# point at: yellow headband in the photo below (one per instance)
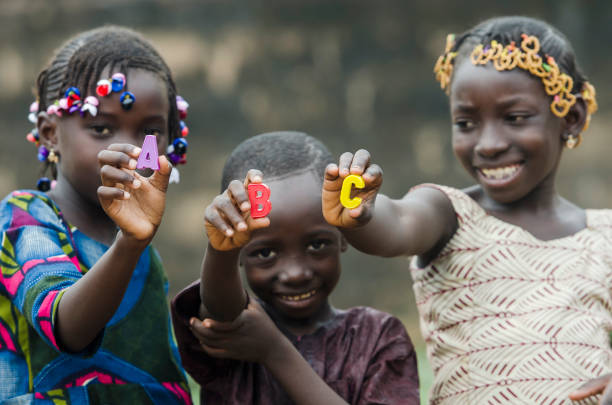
(557, 84)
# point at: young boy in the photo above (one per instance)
(286, 344)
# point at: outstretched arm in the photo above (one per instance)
(90, 303)
(253, 337)
(229, 227)
(414, 225)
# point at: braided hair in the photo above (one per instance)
(277, 154)
(79, 62)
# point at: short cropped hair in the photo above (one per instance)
(276, 154)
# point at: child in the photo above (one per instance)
(84, 316)
(287, 344)
(511, 279)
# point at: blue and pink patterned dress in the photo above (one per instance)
(134, 360)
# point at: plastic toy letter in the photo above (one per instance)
(345, 193)
(148, 156)
(259, 195)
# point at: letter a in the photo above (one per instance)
(148, 156)
(259, 195)
(345, 193)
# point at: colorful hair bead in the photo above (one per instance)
(43, 153)
(43, 184)
(91, 104)
(184, 129)
(117, 82)
(103, 88)
(33, 117)
(182, 106)
(127, 100)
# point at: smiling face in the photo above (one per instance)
(80, 139)
(504, 133)
(294, 264)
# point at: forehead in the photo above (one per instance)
(295, 193)
(488, 84)
(150, 91)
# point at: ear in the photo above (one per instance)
(575, 119)
(343, 244)
(47, 130)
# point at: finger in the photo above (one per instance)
(361, 160)
(223, 327)
(227, 207)
(116, 159)
(258, 223)
(332, 172)
(591, 387)
(108, 194)
(239, 195)
(160, 178)
(356, 212)
(253, 176)
(214, 218)
(205, 333)
(344, 164)
(373, 175)
(128, 149)
(215, 352)
(111, 176)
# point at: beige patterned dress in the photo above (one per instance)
(509, 318)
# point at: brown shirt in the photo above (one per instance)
(363, 354)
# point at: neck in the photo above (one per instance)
(304, 326)
(88, 216)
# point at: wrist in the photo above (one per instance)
(130, 243)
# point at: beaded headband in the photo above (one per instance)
(557, 84)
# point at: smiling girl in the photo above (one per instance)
(83, 312)
(287, 344)
(511, 279)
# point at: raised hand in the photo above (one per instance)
(249, 337)
(227, 219)
(134, 202)
(358, 164)
(595, 386)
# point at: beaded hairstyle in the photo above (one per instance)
(77, 66)
(528, 44)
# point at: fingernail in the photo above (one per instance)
(136, 150)
(206, 323)
(132, 164)
(136, 183)
(257, 179)
(229, 232)
(126, 195)
(192, 321)
(242, 226)
(245, 206)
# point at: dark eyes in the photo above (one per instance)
(317, 245)
(265, 253)
(100, 130)
(516, 118)
(464, 124)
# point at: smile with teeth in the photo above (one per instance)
(299, 297)
(499, 173)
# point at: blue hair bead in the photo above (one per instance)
(43, 184)
(127, 100)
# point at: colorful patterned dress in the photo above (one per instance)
(509, 318)
(134, 360)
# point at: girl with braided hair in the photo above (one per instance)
(83, 311)
(512, 281)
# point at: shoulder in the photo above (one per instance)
(28, 207)
(375, 324)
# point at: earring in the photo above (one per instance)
(572, 141)
(52, 158)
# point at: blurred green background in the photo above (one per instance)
(352, 73)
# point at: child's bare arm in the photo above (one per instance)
(413, 225)
(136, 204)
(253, 337)
(229, 227)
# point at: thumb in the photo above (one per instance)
(160, 178)
(219, 326)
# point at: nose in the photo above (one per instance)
(295, 273)
(491, 142)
